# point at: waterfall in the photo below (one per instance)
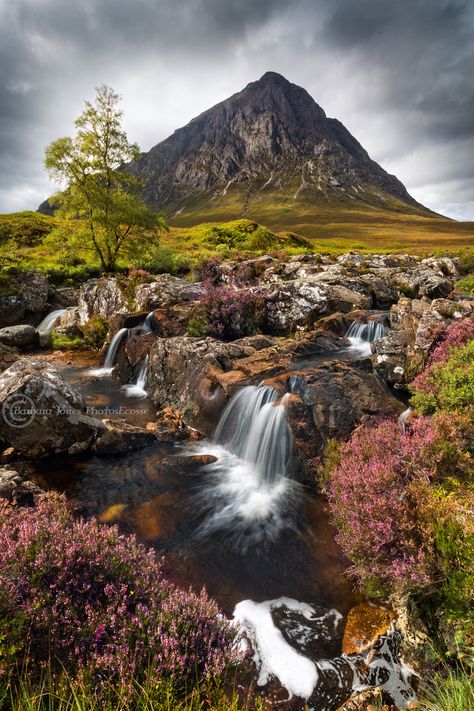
(46, 325)
(247, 493)
(361, 335)
(109, 362)
(107, 368)
(137, 389)
(255, 429)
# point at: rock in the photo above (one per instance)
(12, 309)
(16, 488)
(18, 336)
(391, 357)
(330, 400)
(182, 375)
(41, 413)
(170, 427)
(120, 437)
(65, 297)
(34, 288)
(8, 355)
(100, 297)
(365, 623)
(423, 282)
(299, 304)
(165, 291)
(8, 455)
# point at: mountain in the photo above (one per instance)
(266, 151)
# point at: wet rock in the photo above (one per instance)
(100, 297)
(41, 413)
(12, 309)
(165, 291)
(120, 437)
(18, 336)
(182, 374)
(17, 488)
(170, 427)
(330, 401)
(365, 623)
(391, 357)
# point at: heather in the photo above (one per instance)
(76, 595)
(402, 499)
(227, 313)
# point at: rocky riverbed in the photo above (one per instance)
(141, 456)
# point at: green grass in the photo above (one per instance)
(451, 691)
(294, 228)
(64, 693)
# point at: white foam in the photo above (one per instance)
(273, 656)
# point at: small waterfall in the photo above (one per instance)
(107, 368)
(405, 419)
(247, 493)
(109, 362)
(46, 325)
(361, 335)
(137, 389)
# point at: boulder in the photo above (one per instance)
(12, 309)
(18, 336)
(299, 304)
(165, 291)
(392, 356)
(41, 413)
(100, 297)
(330, 400)
(65, 297)
(17, 488)
(34, 288)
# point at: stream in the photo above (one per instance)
(228, 516)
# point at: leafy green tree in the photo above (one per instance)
(113, 219)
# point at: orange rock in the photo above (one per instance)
(365, 623)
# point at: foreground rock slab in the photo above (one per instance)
(41, 413)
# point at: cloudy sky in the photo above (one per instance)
(398, 73)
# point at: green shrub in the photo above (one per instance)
(448, 385)
(95, 331)
(25, 229)
(466, 285)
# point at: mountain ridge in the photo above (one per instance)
(270, 138)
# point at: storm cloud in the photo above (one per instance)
(399, 75)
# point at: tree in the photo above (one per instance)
(96, 189)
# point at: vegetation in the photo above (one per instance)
(449, 690)
(227, 313)
(96, 189)
(76, 595)
(402, 501)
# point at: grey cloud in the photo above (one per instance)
(397, 74)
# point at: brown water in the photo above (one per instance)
(154, 493)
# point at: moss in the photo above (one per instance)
(95, 331)
(62, 342)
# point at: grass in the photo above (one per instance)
(451, 691)
(290, 228)
(50, 693)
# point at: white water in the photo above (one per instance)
(277, 658)
(46, 325)
(361, 335)
(137, 389)
(109, 362)
(248, 494)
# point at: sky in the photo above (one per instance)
(399, 74)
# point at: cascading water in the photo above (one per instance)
(247, 495)
(46, 325)
(137, 389)
(109, 362)
(107, 368)
(361, 335)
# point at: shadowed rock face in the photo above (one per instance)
(270, 137)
